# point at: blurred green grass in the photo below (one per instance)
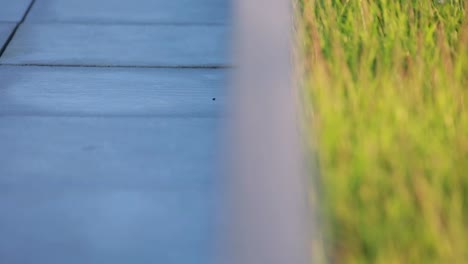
(387, 97)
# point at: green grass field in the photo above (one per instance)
(387, 97)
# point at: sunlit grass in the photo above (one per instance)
(387, 95)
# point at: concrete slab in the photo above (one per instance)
(60, 224)
(13, 10)
(136, 11)
(107, 152)
(119, 45)
(106, 190)
(82, 91)
(5, 31)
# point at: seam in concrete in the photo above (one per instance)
(126, 23)
(12, 34)
(109, 116)
(208, 66)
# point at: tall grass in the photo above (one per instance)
(387, 97)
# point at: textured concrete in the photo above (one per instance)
(145, 152)
(62, 224)
(82, 91)
(106, 190)
(109, 130)
(13, 10)
(135, 11)
(118, 45)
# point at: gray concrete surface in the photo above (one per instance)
(100, 152)
(112, 159)
(62, 224)
(88, 91)
(135, 11)
(118, 45)
(13, 10)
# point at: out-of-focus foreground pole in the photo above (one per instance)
(268, 213)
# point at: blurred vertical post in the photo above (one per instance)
(268, 213)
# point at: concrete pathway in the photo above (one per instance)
(109, 121)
